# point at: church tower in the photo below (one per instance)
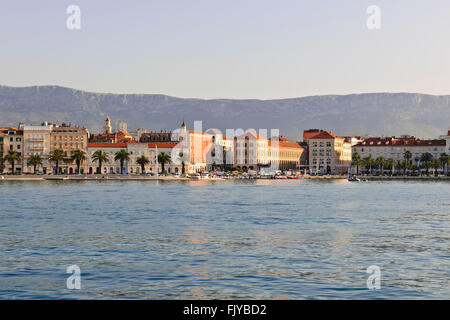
(107, 127)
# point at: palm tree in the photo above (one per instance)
(380, 162)
(79, 156)
(182, 157)
(56, 156)
(404, 165)
(101, 157)
(407, 155)
(356, 161)
(436, 165)
(391, 164)
(34, 160)
(368, 163)
(142, 161)
(122, 156)
(163, 158)
(444, 159)
(12, 156)
(426, 160)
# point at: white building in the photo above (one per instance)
(36, 140)
(395, 148)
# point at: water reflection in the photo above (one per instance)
(240, 239)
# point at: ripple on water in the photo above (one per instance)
(230, 240)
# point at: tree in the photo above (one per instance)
(100, 156)
(368, 163)
(414, 168)
(407, 155)
(380, 162)
(164, 158)
(56, 156)
(142, 161)
(445, 160)
(426, 160)
(79, 156)
(34, 160)
(404, 165)
(12, 156)
(436, 165)
(390, 163)
(122, 156)
(356, 161)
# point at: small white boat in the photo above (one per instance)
(353, 179)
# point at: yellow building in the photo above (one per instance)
(11, 139)
(69, 138)
(288, 155)
(328, 153)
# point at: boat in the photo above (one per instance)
(353, 179)
(195, 176)
(293, 177)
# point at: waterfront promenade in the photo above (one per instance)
(173, 178)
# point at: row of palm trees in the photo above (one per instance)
(100, 156)
(35, 160)
(427, 161)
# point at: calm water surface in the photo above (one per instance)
(224, 240)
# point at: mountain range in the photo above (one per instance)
(422, 115)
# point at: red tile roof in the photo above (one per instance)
(162, 145)
(325, 135)
(290, 145)
(107, 145)
(311, 133)
(123, 133)
(399, 142)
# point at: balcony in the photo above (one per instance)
(36, 140)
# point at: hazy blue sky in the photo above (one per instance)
(228, 49)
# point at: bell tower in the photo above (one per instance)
(107, 127)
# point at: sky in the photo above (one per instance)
(241, 49)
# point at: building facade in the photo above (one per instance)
(68, 139)
(36, 140)
(11, 139)
(251, 152)
(289, 156)
(328, 153)
(396, 147)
